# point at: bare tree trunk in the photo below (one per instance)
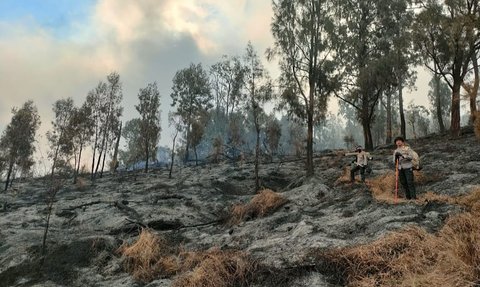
(103, 162)
(173, 154)
(438, 101)
(93, 158)
(403, 128)
(257, 154)
(102, 148)
(9, 173)
(147, 153)
(455, 120)
(367, 134)
(389, 137)
(310, 168)
(117, 144)
(196, 156)
(474, 90)
(77, 167)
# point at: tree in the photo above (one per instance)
(17, 141)
(472, 89)
(60, 140)
(226, 82)
(134, 152)
(149, 109)
(305, 40)
(198, 130)
(80, 130)
(258, 90)
(417, 117)
(191, 96)
(104, 101)
(373, 36)
(438, 95)
(175, 121)
(273, 132)
(447, 34)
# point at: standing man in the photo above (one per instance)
(359, 164)
(402, 157)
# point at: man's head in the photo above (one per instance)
(399, 141)
(358, 148)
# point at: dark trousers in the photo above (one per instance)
(354, 169)
(406, 179)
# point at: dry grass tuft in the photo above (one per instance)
(383, 187)
(412, 257)
(144, 258)
(263, 203)
(150, 258)
(345, 177)
(215, 268)
(470, 201)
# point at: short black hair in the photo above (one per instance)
(399, 138)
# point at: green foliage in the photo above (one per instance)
(273, 132)
(417, 117)
(191, 96)
(439, 98)
(105, 103)
(60, 137)
(227, 80)
(150, 128)
(132, 135)
(447, 36)
(306, 41)
(376, 54)
(17, 143)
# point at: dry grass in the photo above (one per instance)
(412, 257)
(383, 186)
(150, 257)
(263, 203)
(144, 259)
(215, 268)
(345, 177)
(470, 201)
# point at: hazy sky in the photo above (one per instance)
(53, 49)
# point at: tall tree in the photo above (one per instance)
(226, 78)
(305, 41)
(418, 119)
(149, 110)
(17, 141)
(61, 144)
(439, 95)
(447, 33)
(105, 103)
(133, 142)
(259, 90)
(371, 33)
(175, 121)
(191, 96)
(273, 132)
(80, 130)
(472, 88)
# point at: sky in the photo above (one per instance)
(54, 49)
